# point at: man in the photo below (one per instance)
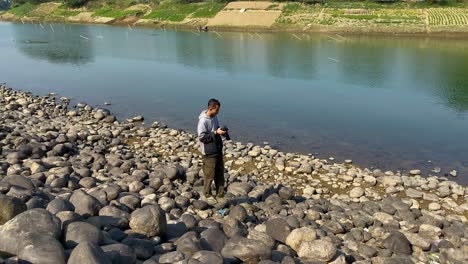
(211, 148)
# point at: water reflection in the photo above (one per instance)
(397, 100)
(431, 65)
(58, 44)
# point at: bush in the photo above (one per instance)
(76, 3)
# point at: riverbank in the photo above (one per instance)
(117, 191)
(335, 17)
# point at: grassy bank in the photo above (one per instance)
(333, 15)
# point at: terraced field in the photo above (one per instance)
(447, 16)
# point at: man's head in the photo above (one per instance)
(213, 107)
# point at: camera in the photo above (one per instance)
(226, 135)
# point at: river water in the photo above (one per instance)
(393, 102)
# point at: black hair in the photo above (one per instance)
(213, 103)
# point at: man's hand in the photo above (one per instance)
(219, 131)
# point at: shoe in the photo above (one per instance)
(211, 200)
(221, 195)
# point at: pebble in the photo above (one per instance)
(117, 192)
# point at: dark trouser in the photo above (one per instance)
(213, 169)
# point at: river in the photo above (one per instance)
(392, 102)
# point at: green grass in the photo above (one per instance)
(293, 8)
(118, 14)
(392, 5)
(172, 12)
(65, 13)
(357, 16)
(208, 10)
(23, 10)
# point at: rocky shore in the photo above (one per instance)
(78, 186)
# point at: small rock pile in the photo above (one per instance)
(78, 186)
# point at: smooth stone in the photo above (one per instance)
(398, 244)
(79, 232)
(85, 204)
(35, 220)
(10, 207)
(213, 239)
(120, 253)
(321, 250)
(246, 250)
(205, 256)
(356, 192)
(40, 249)
(143, 248)
(59, 205)
(278, 229)
(300, 235)
(171, 257)
(88, 253)
(149, 220)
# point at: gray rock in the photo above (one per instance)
(171, 257)
(278, 229)
(143, 248)
(85, 204)
(114, 217)
(120, 253)
(40, 249)
(392, 260)
(10, 207)
(233, 227)
(189, 220)
(430, 232)
(59, 205)
(213, 239)
(19, 181)
(37, 221)
(366, 251)
(238, 212)
(88, 253)
(356, 192)
(78, 232)
(321, 250)
(299, 236)
(263, 237)
(67, 217)
(398, 244)
(176, 230)
(188, 244)
(417, 240)
(149, 220)
(239, 188)
(412, 193)
(208, 257)
(246, 250)
(286, 193)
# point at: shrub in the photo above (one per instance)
(76, 3)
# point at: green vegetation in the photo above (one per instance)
(172, 12)
(109, 12)
(177, 12)
(23, 10)
(65, 13)
(76, 3)
(208, 10)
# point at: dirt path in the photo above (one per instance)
(245, 14)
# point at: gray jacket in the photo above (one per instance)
(211, 144)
